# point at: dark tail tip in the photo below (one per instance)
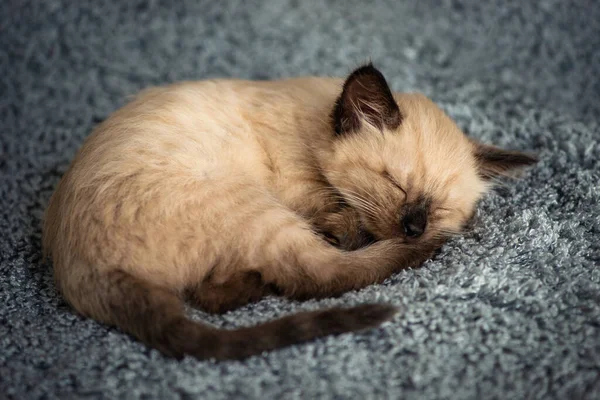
(296, 329)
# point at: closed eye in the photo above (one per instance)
(390, 178)
(442, 210)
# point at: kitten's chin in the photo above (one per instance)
(427, 239)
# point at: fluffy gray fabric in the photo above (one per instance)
(510, 310)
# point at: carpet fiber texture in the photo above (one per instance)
(511, 310)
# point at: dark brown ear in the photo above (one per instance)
(366, 96)
(493, 161)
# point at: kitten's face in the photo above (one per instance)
(403, 165)
(413, 181)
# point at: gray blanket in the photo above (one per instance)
(511, 310)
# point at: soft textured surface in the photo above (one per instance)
(511, 310)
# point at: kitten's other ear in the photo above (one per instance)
(366, 96)
(493, 161)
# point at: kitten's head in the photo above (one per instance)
(404, 165)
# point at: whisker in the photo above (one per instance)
(363, 202)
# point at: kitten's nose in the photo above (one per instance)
(414, 223)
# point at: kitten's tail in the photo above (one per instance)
(156, 317)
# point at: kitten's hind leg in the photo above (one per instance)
(241, 288)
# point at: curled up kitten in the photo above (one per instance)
(220, 192)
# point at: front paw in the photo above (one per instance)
(344, 230)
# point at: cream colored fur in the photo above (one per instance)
(199, 181)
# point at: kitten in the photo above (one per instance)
(220, 191)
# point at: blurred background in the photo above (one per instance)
(88, 55)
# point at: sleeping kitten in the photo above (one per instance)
(220, 191)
